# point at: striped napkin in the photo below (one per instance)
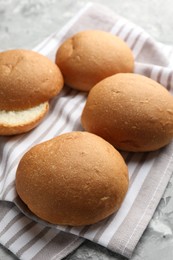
(31, 238)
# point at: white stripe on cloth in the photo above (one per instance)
(29, 245)
(15, 228)
(128, 202)
(27, 239)
(7, 218)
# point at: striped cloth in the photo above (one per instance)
(31, 238)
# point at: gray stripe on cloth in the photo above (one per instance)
(119, 30)
(128, 34)
(7, 190)
(136, 41)
(3, 141)
(20, 140)
(32, 241)
(143, 69)
(159, 75)
(11, 223)
(138, 167)
(67, 120)
(132, 224)
(55, 248)
(26, 228)
(84, 230)
(170, 81)
(5, 207)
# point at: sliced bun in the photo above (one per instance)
(27, 79)
(21, 121)
(74, 179)
(132, 112)
(90, 56)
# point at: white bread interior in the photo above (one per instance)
(21, 121)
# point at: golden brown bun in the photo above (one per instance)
(27, 79)
(132, 112)
(17, 122)
(90, 56)
(74, 179)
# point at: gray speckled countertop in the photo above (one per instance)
(24, 24)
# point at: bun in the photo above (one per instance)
(132, 112)
(90, 56)
(27, 79)
(74, 179)
(17, 122)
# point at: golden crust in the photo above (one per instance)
(90, 56)
(74, 179)
(132, 112)
(27, 79)
(9, 129)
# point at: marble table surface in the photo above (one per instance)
(24, 24)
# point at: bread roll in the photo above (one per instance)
(74, 179)
(132, 112)
(90, 56)
(27, 80)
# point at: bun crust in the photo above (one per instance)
(28, 79)
(74, 179)
(17, 122)
(132, 112)
(90, 56)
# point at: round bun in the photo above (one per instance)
(27, 79)
(74, 179)
(21, 121)
(132, 112)
(90, 56)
